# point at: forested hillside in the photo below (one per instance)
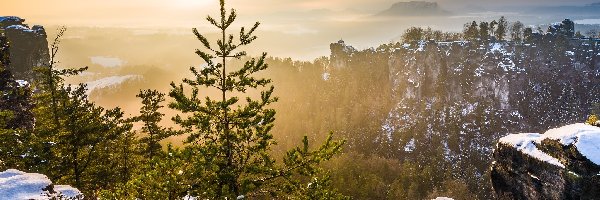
(418, 118)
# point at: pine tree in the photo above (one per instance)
(500, 32)
(230, 139)
(76, 138)
(167, 179)
(516, 31)
(471, 31)
(484, 31)
(492, 28)
(151, 117)
(413, 35)
(528, 34)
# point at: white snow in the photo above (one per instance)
(326, 76)
(443, 198)
(15, 184)
(11, 18)
(188, 197)
(586, 139)
(109, 62)
(410, 146)
(421, 46)
(111, 81)
(67, 191)
(17, 27)
(497, 47)
(22, 83)
(569, 53)
(508, 66)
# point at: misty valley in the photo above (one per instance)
(440, 103)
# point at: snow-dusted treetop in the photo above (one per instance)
(15, 184)
(586, 139)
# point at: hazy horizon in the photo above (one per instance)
(290, 28)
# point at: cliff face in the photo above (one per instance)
(14, 97)
(28, 46)
(454, 100)
(559, 164)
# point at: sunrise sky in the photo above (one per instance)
(184, 13)
(301, 29)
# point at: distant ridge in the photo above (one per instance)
(594, 4)
(414, 8)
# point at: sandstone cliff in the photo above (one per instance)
(28, 46)
(455, 99)
(562, 163)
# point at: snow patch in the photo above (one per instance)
(22, 83)
(67, 191)
(410, 146)
(109, 82)
(569, 53)
(10, 18)
(15, 184)
(586, 139)
(421, 46)
(443, 198)
(326, 76)
(17, 27)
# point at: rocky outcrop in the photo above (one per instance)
(340, 54)
(14, 97)
(457, 98)
(28, 46)
(562, 163)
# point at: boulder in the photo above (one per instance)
(562, 163)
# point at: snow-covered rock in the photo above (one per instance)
(15, 184)
(28, 46)
(562, 163)
(443, 198)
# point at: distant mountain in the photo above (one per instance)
(414, 8)
(594, 4)
(573, 10)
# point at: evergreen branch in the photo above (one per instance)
(214, 22)
(202, 39)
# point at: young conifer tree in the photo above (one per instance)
(75, 137)
(500, 32)
(150, 116)
(229, 135)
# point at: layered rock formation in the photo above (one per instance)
(28, 46)
(562, 163)
(452, 101)
(14, 97)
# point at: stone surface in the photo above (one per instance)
(518, 172)
(28, 47)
